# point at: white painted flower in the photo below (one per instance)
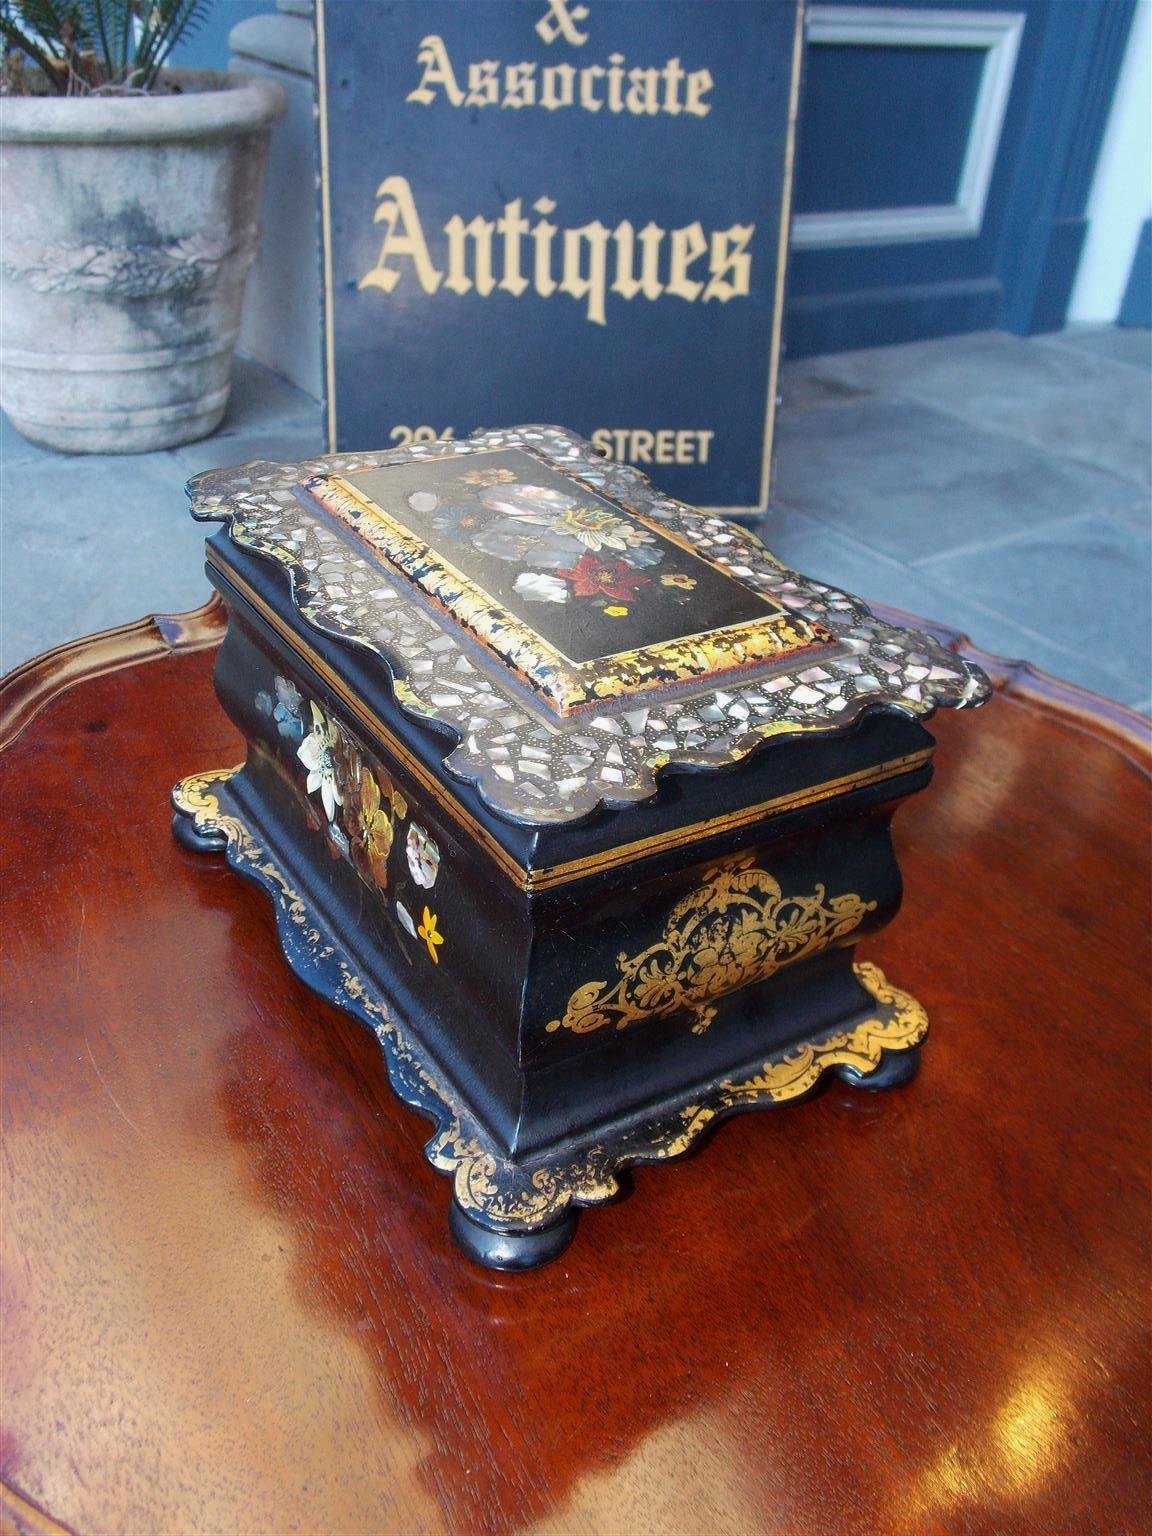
(318, 754)
(405, 917)
(423, 856)
(538, 588)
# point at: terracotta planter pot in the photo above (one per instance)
(126, 228)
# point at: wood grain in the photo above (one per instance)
(230, 1304)
(27, 688)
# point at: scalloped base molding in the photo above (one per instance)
(511, 1214)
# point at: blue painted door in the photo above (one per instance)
(945, 157)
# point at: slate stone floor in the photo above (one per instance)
(996, 484)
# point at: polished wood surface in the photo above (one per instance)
(230, 1304)
(27, 688)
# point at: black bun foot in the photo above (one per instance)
(511, 1250)
(896, 1067)
(189, 836)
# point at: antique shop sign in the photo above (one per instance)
(552, 211)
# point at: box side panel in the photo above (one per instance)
(664, 974)
(637, 946)
(435, 929)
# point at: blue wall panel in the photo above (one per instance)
(892, 135)
(884, 127)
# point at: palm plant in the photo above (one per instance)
(82, 47)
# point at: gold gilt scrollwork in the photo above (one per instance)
(736, 929)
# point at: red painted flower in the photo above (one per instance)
(591, 577)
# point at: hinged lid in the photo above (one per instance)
(578, 631)
(583, 597)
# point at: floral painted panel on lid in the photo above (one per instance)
(578, 593)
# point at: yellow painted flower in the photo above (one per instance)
(376, 829)
(427, 931)
(685, 583)
(617, 611)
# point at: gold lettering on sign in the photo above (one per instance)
(666, 445)
(585, 263)
(560, 21)
(639, 91)
(405, 237)
(688, 245)
(626, 284)
(729, 254)
(438, 71)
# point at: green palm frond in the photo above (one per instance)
(165, 23)
(46, 33)
(85, 45)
